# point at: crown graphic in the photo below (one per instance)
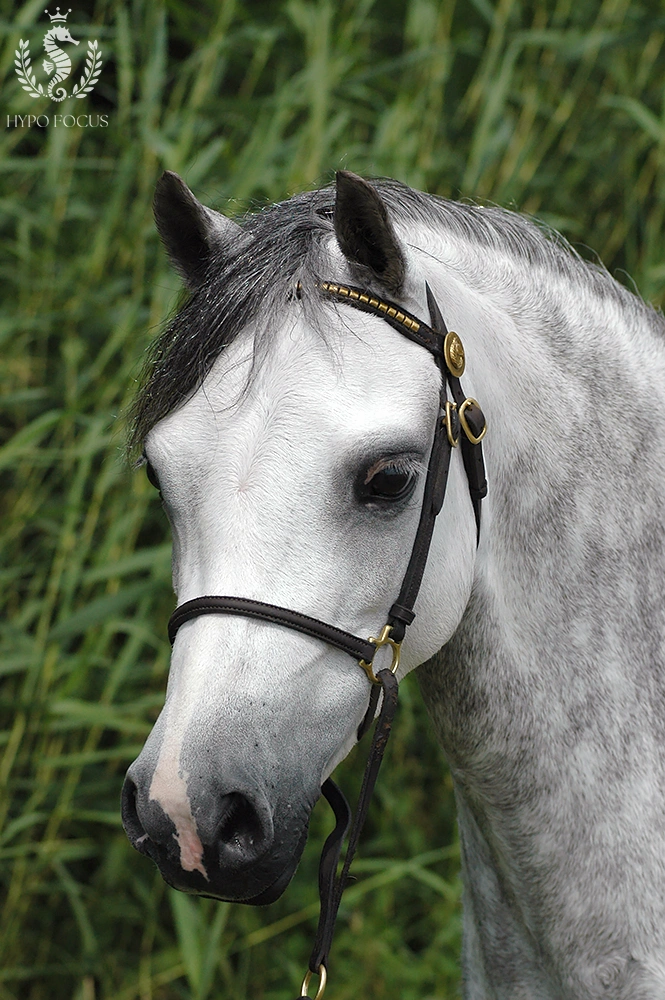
(58, 18)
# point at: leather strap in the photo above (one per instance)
(328, 868)
(401, 613)
(331, 888)
(472, 454)
(371, 711)
(359, 649)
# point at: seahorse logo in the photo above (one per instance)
(58, 65)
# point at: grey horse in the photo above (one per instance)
(271, 420)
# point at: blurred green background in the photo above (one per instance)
(552, 107)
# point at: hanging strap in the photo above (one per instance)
(331, 885)
(472, 421)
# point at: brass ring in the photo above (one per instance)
(463, 421)
(383, 640)
(323, 979)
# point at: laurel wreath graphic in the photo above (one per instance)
(93, 67)
(24, 71)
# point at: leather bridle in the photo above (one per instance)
(459, 422)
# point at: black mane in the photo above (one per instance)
(258, 276)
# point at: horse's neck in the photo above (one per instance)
(564, 374)
(548, 699)
(573, 386)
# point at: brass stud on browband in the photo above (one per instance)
(397, 315)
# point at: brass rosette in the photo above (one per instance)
(453, 352)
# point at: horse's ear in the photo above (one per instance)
(188, 229)
(364, 231)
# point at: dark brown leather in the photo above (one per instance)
(472, 454)
(359, 649)
(401, 613)
(371, 711)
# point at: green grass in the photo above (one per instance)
(553, 108)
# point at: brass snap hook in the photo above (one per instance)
(323, 979)
(383, 640)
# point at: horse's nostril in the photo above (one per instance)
(130, 817)
(240, 829)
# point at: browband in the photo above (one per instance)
(403, 321)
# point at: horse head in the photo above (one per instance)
(290, 438)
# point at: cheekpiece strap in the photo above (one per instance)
(448, 352)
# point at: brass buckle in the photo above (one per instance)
(449, 423)
(323, 979)
(383, 640)
(465, 427)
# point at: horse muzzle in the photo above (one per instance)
(235, 853)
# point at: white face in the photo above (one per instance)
(270, 484)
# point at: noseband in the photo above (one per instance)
(459, 422)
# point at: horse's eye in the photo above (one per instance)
(392, 482)
(151, 474)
